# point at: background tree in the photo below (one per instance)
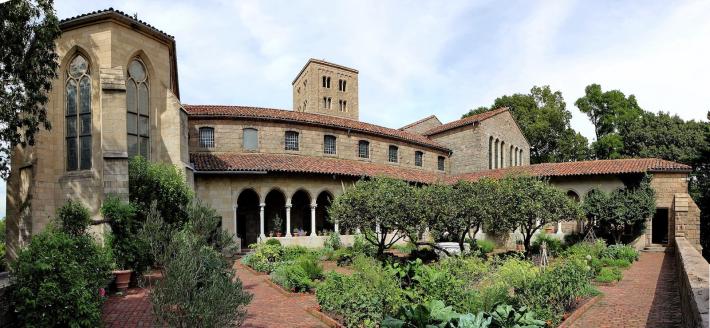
(160, 183)
(28, 65)
(619, 210)
(530, 203)
(665, 136)
(382, 203)
(700, 189)
(545, 122)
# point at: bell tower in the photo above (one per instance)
(325, 88)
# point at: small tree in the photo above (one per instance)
(530, 203)
(614, 212)
(129, 251)
(160, 183)
(382, 203)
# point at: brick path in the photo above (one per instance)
(268, 308)
(647, 296)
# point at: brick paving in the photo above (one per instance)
(268, 308)
(647, 296)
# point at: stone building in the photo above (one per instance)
(266, 171)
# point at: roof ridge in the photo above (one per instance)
(463, 121)
(115, 11)
(420, 121)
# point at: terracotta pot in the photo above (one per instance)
(123, 278)
(278, 234)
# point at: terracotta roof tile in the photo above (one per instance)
(419, 121)
(212, 111)
(598, 167)
(464, 121)
(230, 162)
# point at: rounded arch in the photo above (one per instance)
(238, 192)
(265, 191)
(324, 199)
(301, 204)
(73, 51)
(304, 190)
(248, 215)
(145, 59)
(571, 193)
(275, 212)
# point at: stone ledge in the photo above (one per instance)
(694, 282)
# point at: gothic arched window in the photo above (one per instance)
(138, 113)
(78, 115)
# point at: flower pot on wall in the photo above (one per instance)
(123, 278)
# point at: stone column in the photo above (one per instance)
(262, 206)
(337, 228)
(288, 219)
(313, 219)
(559, 228)
(235, 220)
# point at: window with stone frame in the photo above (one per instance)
(206, 137)
(418, 158)
(441, 163)
(78, 115)
(393, 154)
(250, 138)
(137, 110)
(291, 140)
(329, 146)
(363, 149)
(490, 153)
(341, 85)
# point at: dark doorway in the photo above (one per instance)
(248, 217)
(659, 227)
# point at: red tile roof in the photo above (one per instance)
(598, 167)
(212, 111)
(419, 121)
(464, 121)
(229, 162)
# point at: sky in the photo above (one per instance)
(418, 58)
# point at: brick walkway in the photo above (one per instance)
(647, 296)
(268, 308)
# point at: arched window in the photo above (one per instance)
(573, 195)
(502, 151)
(510, 156)
(138, 113)
(78, 115)
(206, 137)
(516, 156)
(521, 157)
(363, 149)
(418, 158)
(251, 139)
(495, 159)
(490, 153)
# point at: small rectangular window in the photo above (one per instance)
(327, 84)
(393, 154)
(329, 144)
(325, 102)
(291, 140)
(251, 139)
(441, 163)
(324, 81)
(206, 137)
(418, 158)
(363, 149)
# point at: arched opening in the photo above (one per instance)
(275, 213)
(248, 217)
(323, 222)
(300, 213)
(573, 195)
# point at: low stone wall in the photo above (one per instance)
(693, 276)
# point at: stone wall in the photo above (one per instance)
(308, 90)
(228, 137)
(7, 317)
(694, 283)
(423, 125)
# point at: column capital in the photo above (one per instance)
(314, 205)
(289, 205)
(262, 205)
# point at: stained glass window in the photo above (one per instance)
(78, 115)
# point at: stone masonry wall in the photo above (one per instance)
(423, 126)
(308, 91)
(694, 283)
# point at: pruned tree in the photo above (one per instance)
(616, 211)
(530, 203)
(28, 65)
(382, 208)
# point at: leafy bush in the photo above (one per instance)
(204, 222)
(291, 253)
(432, 283)
(505, 315)
(310, 265)
(362, 246)
(554, 244)
(272, 241)
(59, 274)
(363, 298)
(617, 263)
(470, 270)
(292, 277)
(130, 251)
(607, 275)
(3, 265)
(333, 241)
(344, 256)
(426, 254)
(163, 184)
(556, 289)
(621, 252)
(198, 288)
(495, 288)
(437, 314)
(581, 250)
(486, 246)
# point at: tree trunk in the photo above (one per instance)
(526, 244)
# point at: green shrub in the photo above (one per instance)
(505, 315)
(204, 222)
(129, 250)
(607, 275)
(73, 218)
(617, 263)
(621, 252)
(554, 244)
(556, 289)
(471, 270)
(58, 277)
(3, 265)
(581, 250)
(362, 246)
(264, 258)
(333, 241)
(432, 283)
(292, 277)
(291, 253)
(272, 241)
(486, 246)
(163, 184)
(199, 288)
(495, 287)
(310, 265)
(344, 256)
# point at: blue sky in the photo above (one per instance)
(443, 57)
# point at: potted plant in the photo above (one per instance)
(296, 232)
(277, 225)
(519, 245)
(123, 278)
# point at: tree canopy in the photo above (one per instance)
(545, 122)
(28, 65)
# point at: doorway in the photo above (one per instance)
(659, 227)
